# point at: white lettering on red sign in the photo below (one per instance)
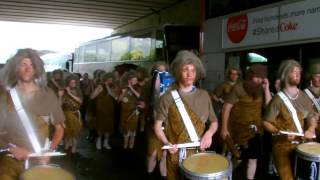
(237, 27)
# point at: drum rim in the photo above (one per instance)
(53, 166)
(227, 171)
(299, 152)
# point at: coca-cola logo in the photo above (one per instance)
(237, 27)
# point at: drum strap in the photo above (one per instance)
(314, 171)
(292, 111)
(185, 117)
(25, 120)
(182, 154)
(313, 99)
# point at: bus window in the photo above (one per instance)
(140, 48)
(120, 49)
(90, 53)
(103, 51)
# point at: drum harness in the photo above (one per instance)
(294, 116)
(188, 124)
(24, 118)
(313, 99)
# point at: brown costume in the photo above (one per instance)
(104, 111)
(224, 89)
(73, 122)
(176, 132)
(154, 143)
(146, 112)
(246, 112)
(129, 113)
(279, 116)
(41, 116)
(199, 108)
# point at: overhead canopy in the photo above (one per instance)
(93, 13)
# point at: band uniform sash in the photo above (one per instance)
(185, 117)
(313, 99)
(292, 111)
(25, 121)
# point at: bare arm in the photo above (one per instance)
(136, 93)
(74, 97)
(57, 136)
(96, 92)
(123, 92)
(267, 93)
(159, 132)
(216, 98)
(162, 137)
(270, 128)
(225, 119)
(206, 140)
(310, 132)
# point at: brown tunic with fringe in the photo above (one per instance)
(316, 94)
(104, 111)
(73, 122)
(129, 113)
(279, 116)
(147, 120)
(199, 108)
(246, 111)
(43, 108)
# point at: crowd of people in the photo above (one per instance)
(242, 110)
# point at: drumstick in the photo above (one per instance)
(293, 133)
(47, 154)
(183, 145)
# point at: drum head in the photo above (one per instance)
(47, 173)
(206, 164)
(311, 149)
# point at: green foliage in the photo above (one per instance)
(126, 56)
(133, 55)
(136, 55)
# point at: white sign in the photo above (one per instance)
(295, 21)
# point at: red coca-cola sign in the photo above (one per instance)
(237, 27)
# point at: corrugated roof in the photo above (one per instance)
(93, 13)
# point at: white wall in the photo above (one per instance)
(214, 58)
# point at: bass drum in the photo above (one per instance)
(207, 165)
(307, 161)
(46, 172)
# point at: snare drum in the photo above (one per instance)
(206, 166)
(307, 161)
(46, 172)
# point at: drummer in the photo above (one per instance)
(313, 91)
(25, 73)
(187, 69)
(280, 118)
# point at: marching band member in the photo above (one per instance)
(71, 103)
(56, 82)
(313, 91)
(154, 151)
(285, 118)
(187, 69)
(242, 115)
(218, 97)
(104, 98)
(128, 98)
(24, 73)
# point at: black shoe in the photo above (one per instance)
(149, 176)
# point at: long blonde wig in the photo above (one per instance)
(10, 75)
